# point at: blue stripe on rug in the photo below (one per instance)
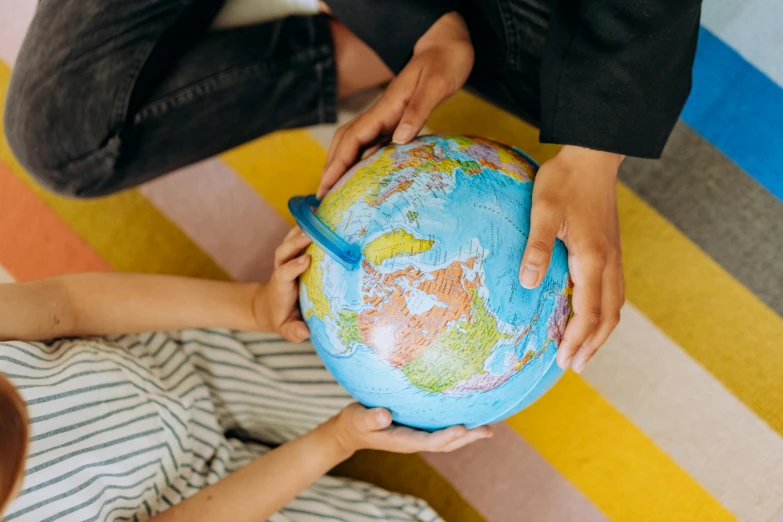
(739, 110)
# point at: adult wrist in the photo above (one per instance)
(447, 29)
(390, 27)
(572, 155)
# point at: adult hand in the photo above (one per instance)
(575, 199)
(356, 428)
(441, 63)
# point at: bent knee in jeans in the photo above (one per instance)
(71, 98)
(66, 143)
(104, 99)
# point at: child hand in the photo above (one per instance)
(275, 305)
(357, 428)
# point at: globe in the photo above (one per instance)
(413, 297)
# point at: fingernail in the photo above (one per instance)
(304, 259)
(564, 363)
(578, 367)
(529, 276)
(303, 332)
(402, 134)
(380, 417)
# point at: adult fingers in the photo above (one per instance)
(612, 299)
(328, 181)
(431, 90)
(348, 148)
(375, 148)
(363, 131)
(293, 244)
(338, 135)
(587, 270)
(545, 221)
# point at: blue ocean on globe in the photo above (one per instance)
(413, 297)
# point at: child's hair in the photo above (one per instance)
(14, 428)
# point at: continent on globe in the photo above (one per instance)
(459, 354)
(398, 242)
(387, 324)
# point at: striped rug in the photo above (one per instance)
(678, 418)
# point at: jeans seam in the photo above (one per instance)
(327, 106)
(219, 81)
(511, 37)
(118, 114)
(122, 103)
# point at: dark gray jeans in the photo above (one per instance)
(109, 94)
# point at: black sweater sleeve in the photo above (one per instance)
(390, 27)
(616, 73)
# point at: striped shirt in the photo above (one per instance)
(125, 427)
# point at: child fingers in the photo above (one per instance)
(295, 231)
(294, 331)
(374, 419)
(469, 438)
(402, 439)
(294, 243)
(292, 269)
(438, 440)
(454, 438)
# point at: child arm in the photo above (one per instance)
(260, 489)
(113, 303)
(267, 484)
(108, 303)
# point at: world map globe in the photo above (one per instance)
(413, 297)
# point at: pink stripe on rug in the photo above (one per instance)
(15, 16)
(505, 479)
(223, 215)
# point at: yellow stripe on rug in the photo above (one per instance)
(126, 230)
(613, 463)
(279, 166)
(719, 322)
(715, 319)
(689, 414)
